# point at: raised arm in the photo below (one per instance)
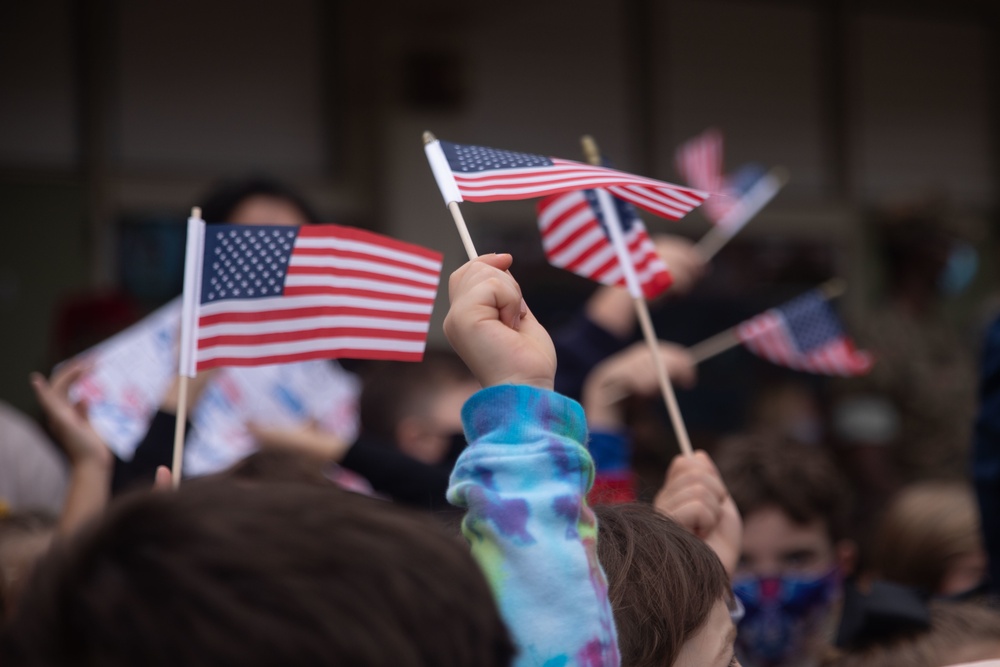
(525, 475)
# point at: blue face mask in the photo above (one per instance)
(959, 270)
(782, 615)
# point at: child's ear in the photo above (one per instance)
(846, 554)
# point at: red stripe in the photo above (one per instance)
(346, 254)
(333, 353)
(308, 334)
(355, 234)
(353, 273)
(299, 313)
(320, 290)
(583, 229)
(581, 257)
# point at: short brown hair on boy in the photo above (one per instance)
(662, 581)
(238, 572)
(800, 480)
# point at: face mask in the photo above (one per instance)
(782, 615)
(959, 270)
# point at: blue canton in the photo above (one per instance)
(626, 212)
(811, 321)
(467, 159)
(245, 262)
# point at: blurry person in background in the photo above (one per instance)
(929, 539)
(796, 550)
(910, 418)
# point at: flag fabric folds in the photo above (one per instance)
(804, 334)
(479, 174)
(276, 294)
(575, 238)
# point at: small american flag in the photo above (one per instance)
(575, 238)
(735, 199)
(479, 174)
(804, 334)
(273, 294)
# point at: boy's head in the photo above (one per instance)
(239, 572)
(795, 508)
(418, 407)
(668, 590)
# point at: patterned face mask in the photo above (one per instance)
(782, 615)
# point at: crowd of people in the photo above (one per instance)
(322, 516)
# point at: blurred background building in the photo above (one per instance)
(115, 116)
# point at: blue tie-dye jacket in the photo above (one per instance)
(523, 480)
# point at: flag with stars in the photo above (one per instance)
(262, 295)
(479, 174)
(575, 238)
(737, 198)
(804, 334)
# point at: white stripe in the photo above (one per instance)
(334, 262)
(540, 188)
(307, 323)
(570, 226)
(646, 202)
(358, 283)
(559, 206)
(315, 345)
(279, 303)
(675, 198)
(586, 242)
(374, 250)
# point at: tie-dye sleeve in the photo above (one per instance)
(523, 481)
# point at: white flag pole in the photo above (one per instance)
(729, 225)
(187, 363)
(449, 190)
(729, 338)
(613, 224)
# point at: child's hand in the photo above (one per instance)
(694, 496)
(68, 420)
(631, 372)
(491, 328)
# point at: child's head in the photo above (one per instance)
(418, 406)
(795, 552)
(958, 633)
(669, 592)
(929, 539)
(236, 571)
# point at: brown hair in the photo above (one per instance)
(394, 390)
(239, 572)
(662, 582)
(958, 633)
(24, 537)
(801, 480)
(924, 528)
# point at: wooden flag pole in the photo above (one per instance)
(456, 214)
(645, 322)
(729, 339)
(177, 465)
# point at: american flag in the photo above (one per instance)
(804, 334)
(479, 174)
(272, 294)
(575, 238)
(735, 199)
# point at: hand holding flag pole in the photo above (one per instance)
(610, 213)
